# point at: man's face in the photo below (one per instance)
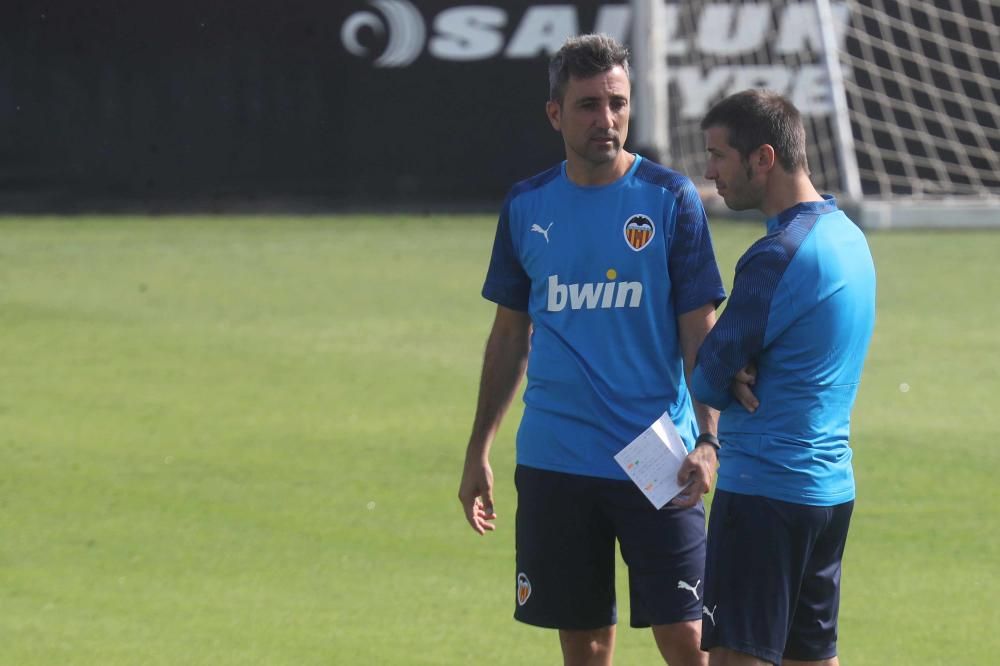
(733, 175)
(593, 116)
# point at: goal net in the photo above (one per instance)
(911, 134)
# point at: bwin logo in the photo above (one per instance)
(406, 32)
(593, 295)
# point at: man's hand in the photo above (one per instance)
(504, 361)
(476, 495)
(740, 388)
(697, 470)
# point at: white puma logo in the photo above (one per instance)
(544, 232)
(709, 613)
(693, 589)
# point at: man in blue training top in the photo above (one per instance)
(606, 284)
(783, 365)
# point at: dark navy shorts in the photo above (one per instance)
(566, 530)
(772, 577)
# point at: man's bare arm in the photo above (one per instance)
(504, 363)
(699, 467)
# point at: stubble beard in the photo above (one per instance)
(747, 197)
(738, 204)
(744, 199)
(601, 156)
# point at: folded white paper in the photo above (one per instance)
(652, 460)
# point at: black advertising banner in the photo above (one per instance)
(359, 104)
(384, 103)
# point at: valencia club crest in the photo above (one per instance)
(639, 230)
(523, 589)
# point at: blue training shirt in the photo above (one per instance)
(803, 309)
(603, 272)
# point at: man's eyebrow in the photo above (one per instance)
(597, 98)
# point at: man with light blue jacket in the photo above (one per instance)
(783, 365)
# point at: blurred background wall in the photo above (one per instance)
(300, 105)
(202, 104)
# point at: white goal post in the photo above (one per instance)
(901, 97)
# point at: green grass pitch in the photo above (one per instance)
(238, 441)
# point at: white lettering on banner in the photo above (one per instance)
(588, 296)
(810, 92)
(729, 30)
(805, 85)
(613, 20)
(721, 30)
(468, 33)
(699, 90)
(800, 29)
(405, 31)
(677, 45)
(769, 77)
(542, 31)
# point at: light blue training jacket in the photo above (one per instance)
(802, 308)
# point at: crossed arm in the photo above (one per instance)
(700, 465)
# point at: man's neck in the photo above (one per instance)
(787, 190)
(582, 173)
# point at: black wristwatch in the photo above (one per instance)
(710, 439)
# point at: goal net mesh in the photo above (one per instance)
(921, 77)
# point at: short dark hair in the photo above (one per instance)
(584, 56)
(756, 117)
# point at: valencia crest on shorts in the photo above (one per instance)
(639, 230)
(523, 589)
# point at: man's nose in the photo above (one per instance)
(606, 117)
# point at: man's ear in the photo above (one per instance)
(554, 112)
(764, 160)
